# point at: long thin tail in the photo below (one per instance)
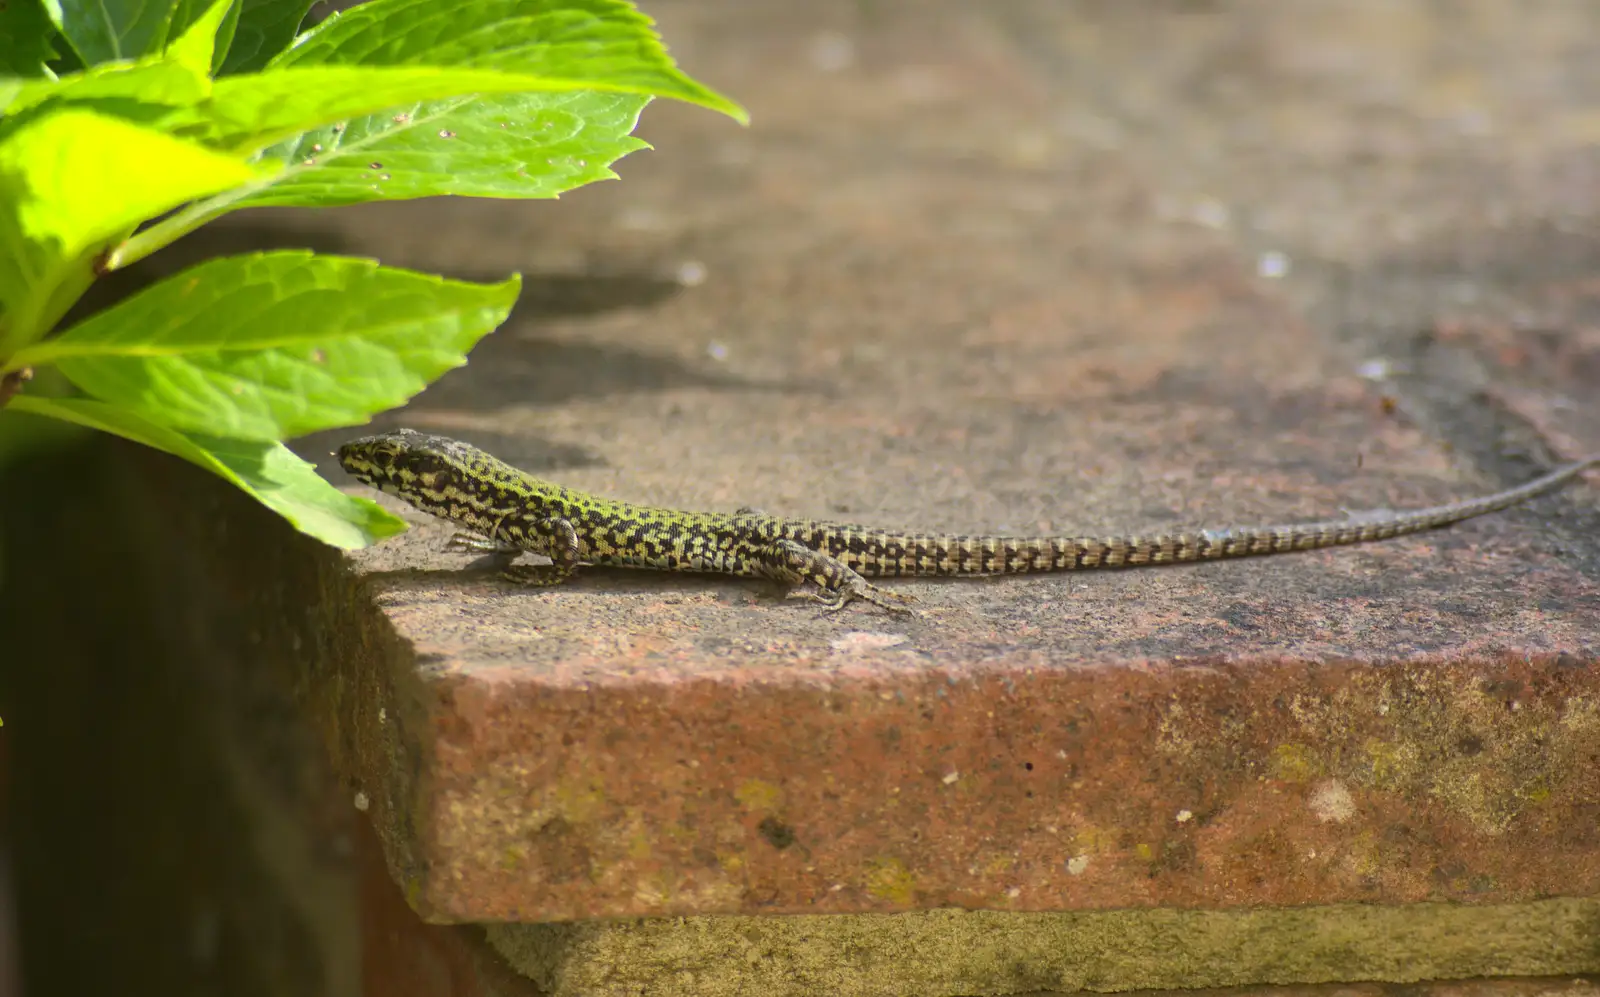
(1361, 527)
(887, 555)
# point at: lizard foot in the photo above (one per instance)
(823, 579)
(832, 602)
(473, 544)
(894, 602)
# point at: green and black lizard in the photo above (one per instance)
(507, 511)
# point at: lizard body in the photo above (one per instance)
(509, 511)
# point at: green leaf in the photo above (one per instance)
(265, 28)
(390, 54)
(196, 47)
(118, 88)
(574, 44)
(249, 113)
(25, 40)
(72, 180)
(178, 77)
(225, 33)
(275, 345)
(510, 145)
(224, 37)
(268, 471)
(292, 488)
(108, 30)
(10, 87)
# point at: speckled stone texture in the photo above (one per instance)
(965, 953)
(401, 956)
(1028, 267)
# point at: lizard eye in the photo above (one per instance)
(383, 458)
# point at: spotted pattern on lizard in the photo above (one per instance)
(508, 511)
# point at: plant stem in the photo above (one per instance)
(11, 383)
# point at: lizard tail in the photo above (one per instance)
(880, 555)
(1361, 527)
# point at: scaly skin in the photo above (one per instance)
(509, 511)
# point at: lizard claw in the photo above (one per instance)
(474, 544)
(894, 602)
(808, 594)
(833, 602)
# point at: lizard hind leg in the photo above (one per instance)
(817, 577)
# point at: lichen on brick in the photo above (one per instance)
(1295, 763)
(887, 878)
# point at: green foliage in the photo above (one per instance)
(265, 28)
(76, 181)
(508, 145)
(269, 471)
(125, 124)
(25, 39)
(275, 345)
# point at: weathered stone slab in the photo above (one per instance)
(958, 953)
(401, 956)
(915, 777)
(936, 303)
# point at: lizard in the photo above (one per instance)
(506, 511)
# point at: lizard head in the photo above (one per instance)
(424, 470)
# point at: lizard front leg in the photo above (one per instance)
(471, 543)
(485, 542)
(817, 577)
(562, 538)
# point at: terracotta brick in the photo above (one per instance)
(949, 284)
(403, 957)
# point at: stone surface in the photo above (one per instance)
(403, 957)
(1006, 268)
(957, 953)
(1014, 785)
(1504, 987)
(1031, 266)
